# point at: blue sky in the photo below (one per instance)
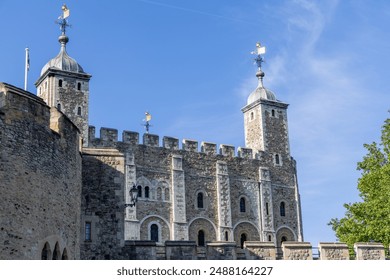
(189, 64)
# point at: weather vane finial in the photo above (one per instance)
(258, 52)
(148, 118)
(62, 19)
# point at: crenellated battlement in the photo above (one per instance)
(253, 250)
(109, 138)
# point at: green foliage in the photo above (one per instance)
(369, 220)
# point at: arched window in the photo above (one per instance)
(139, 191)
(59, 107)
(201, 238)
(166, 194)
(146, 192)
(273, 113)
(46, 252)
(282, 209)
(88, 228)
(78, 86)
(154, 232)
(284, 238)
(269, 238)
(242, 240)
(199, 200)
(56, 253)
(252, 116)
(65, 255)
(159, 193)
(242, 205)
(59, 83)
(226, 236)
(277, 159)
(79, 111)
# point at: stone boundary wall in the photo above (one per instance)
(253, 250)
(40, 179)
(109, 138)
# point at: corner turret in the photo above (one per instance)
(265, 118)
(64, 84)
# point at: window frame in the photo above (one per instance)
(200, 203)
(243, 204)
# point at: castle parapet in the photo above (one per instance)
(170, 143)
(369, 251)
(333, 251)
(130, 137)
(220, 250)
(91, 133)
(227, 150)
(190, 145)
(208, 148)
(108, 136)
(245, 153)
(256, 250)
(151, 140)
(297, 250)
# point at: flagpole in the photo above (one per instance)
(27, 66)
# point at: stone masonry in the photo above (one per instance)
(40, 179)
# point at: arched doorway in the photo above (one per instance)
(201, 238)
(46, 252)
(154, 232)
(243, 238)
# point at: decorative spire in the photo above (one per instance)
(63, 23)
(259, 59)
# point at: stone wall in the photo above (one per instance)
(40, 179)
(187, 250)
(102, 201)
(170, 179)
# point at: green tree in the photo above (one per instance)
(369, 220)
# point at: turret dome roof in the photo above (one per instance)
(63, 61)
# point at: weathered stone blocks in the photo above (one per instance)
(221, 251)
(209, 148)
(130, 137)
(227, 150)
(180, 250)
(170, 143)
(140, 250)
(245, 153)
(256, 250)
(333, 251)
(297, 250)
(108, 136)
(40, 179)
(151, 140)
(190, 145)
(369, 251)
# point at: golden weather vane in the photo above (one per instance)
(260, 50)
(148, 118)
(62, 19)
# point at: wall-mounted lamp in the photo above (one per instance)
(133, 195)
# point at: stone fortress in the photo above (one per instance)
(65, 190)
